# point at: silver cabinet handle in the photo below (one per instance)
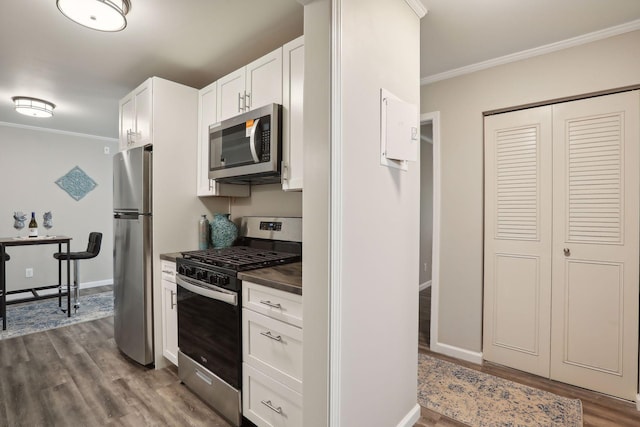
(567, 252)
(269, 405)
(270, 304)
(247, 105)
(239, 97)
(268, 335)
(173, 304)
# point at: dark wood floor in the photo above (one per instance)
(598, 410)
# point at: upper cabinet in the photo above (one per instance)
(252, 86)
(292, 124)
(207, 97)
(135, 117)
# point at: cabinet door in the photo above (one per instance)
(143, 115)
(264, 80)
(169, 322)
(127, 121)
(207, 116)
(231, 99)
(292, 101)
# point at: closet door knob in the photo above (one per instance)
(567, 252)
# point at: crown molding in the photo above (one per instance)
(537, 51)
(417, 7)
(60, 132)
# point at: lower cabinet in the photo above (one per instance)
(272, 356)
(169, 312)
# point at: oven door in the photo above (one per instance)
(209, 328)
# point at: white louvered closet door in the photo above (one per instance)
(595, 243)
(517, 260)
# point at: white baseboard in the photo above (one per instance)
(411, 418)
(96, 283)
(424, 285)
(457, 352)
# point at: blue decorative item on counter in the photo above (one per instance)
(203, 233)
(223, 231)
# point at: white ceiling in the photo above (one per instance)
(194, 42)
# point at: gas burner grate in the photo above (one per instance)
(240, 258)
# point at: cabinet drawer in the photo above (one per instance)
(267, 402)
(273, 347)
(274, 303)
(169, 271)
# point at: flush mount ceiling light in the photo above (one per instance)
(101, 15)
(33, 107)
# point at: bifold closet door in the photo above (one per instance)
(517, 244)
(594, 326)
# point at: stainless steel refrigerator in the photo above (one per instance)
(132, 253)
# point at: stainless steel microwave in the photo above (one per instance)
(246, 149)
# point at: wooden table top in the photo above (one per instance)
(40, 240)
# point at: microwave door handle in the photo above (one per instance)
(229, 298)
(252, 141)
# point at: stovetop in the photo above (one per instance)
(241, 258)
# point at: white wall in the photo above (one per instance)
(375, 219)
(31, 160)
(601, 65)
(267, 200)
(315, 206)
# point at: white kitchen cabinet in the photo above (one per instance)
(292, 102)
(169, 312)
(250, 87)
(272, 355)
(207, 99)
(135, 117)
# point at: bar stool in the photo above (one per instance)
(93, 249)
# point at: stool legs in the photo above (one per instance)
(76, 285)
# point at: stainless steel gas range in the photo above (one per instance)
(210, 307)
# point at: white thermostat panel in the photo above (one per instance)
(399, 131)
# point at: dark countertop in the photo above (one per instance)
(286, 277)
(171, 256)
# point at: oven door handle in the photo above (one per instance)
(224, 296)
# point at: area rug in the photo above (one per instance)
(479, 399)
(37, 316)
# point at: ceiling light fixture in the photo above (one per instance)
(101, 15)
(33, 107)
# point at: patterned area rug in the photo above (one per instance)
(480, 399)
(36, 316)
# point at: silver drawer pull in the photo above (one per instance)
(269, 405)
(270, 304)
(268, 335)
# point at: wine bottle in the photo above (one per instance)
(33, 226)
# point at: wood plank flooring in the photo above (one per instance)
(76, 376)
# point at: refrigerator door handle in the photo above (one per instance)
(220, 295)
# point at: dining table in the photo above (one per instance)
(6, 242)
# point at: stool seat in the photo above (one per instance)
(93, 249)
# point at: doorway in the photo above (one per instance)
(429, 228)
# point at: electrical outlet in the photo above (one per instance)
(28, 272)
(106, 150)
